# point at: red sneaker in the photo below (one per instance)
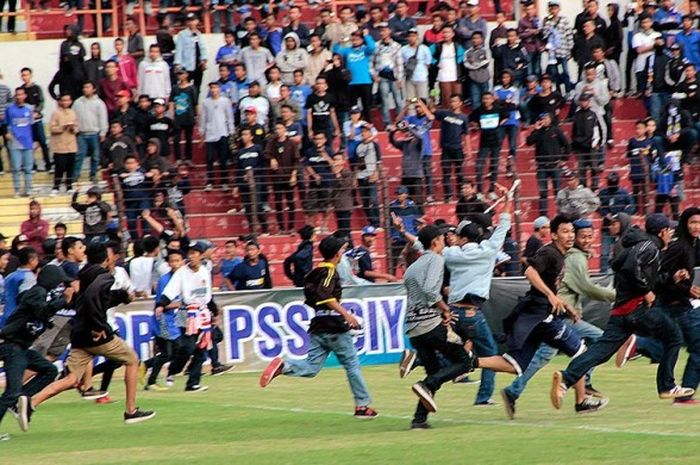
(686, 402)
(104, 400)
(365, 413)
(272, 371)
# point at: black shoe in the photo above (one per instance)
(138, 416)
(591, 404)
(420, 425)
(93, 394)
(221, 369)
(196, 388)
(425, 395)
(508, 403)
(593, 392)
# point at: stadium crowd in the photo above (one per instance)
(289, 130)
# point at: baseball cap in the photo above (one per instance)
(567, 173)
(22, 238)
(251, 110)
(540, 222)
(159, 101)
(545, 77)
(613, 176)
(124, 93)
(330, 246)
(582, 223)
(190, 16)
(553, 3)
(585, 96)
(543, 115)
(369, 231)
(470, 230)
(197, 246)
(383, 25)
(413, 30)
(473, 2)
(651, 3)
(355, 109)
(253, 83)
(428, 233)
(656, 223)
(531, 78)
(402, 190)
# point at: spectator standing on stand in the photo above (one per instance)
(551, 146)
(417, 59)
(35, 98)
(154, 75)
(64, 142)
(574, 199)
(215, 127)
(300, 263)
(454, 129)
(19, 117)
(191, 51)
(559, 37)
(529, 31)
(388, 66)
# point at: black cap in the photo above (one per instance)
(585, 96)
(330, 246)
(471, 230)
(656, 223)
(197, 246)
(428, 233)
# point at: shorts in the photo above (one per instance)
(318, 198)
(555, 333)
(54, 341)
(116, 350)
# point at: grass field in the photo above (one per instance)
(300, 421)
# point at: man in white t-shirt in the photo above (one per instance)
(191, 285)
(643, 43)
(141, 268)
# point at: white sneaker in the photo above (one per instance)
(209, 187)
(224, 187)
(54, 193)
(170, 381)
(677, 391)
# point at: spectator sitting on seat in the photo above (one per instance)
(96, 214)
(299, 264)
(35, 228)
(574, 199)
(539, 237)
(470, 201)
(613, 200)
(253, 272)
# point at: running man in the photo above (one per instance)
(636, 270)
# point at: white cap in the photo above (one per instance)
(473, 2)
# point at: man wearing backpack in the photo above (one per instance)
(416, 59)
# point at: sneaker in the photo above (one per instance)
(677, 391)
(430, 199)
(209, 187)
(221, 369)
(266, 208)
(170, 381)
(407, 362)
(24, 412)
(425, 396)
(628, 350)
(196, 388)
(558, 391)
(365, 413)
(4, 437)
(156, 388)
(142, 374)
(104, 400)
(465, 379)
(508, 403)
(92, 394)
(591, 404)
(593, 392)
(272, 371)
(685, 402)
(54, 193)
(138, 416)
(420, 425)
(224, 187)
(488, 403)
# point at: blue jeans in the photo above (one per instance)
(511, 131)
(644, 321)
(88, 145)
(16, 361)
(21, 160)
(535, 65)
(560, 74)
(543, 174)
(607, 242)
(472, 325)
(493, 154)
(546, 353)
(655, 104)
(386, 88)
(342, 345)
(476, 89)
(227, 15)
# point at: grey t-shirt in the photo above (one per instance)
(256, 63)
(423, 281)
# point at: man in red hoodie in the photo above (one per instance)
(36, 229)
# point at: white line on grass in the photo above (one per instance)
(466, 421)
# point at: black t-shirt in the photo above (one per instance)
(250, 157)
(532, 245)
(322, 286)
(452, 127)
(540, 104)
(258, 131)
(184, 103)
(549, 263)
(489, 122)
(162, 129)
(320, 107)
(364, 263)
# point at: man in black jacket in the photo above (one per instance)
(300, 263)
(32, 317)
(92, 336)
(637, 275)
(588, 140)
(551, 145)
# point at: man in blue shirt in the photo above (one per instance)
(253, 273)
(401, 23)
(19, 281)
(423, 122)
(454, 128)
(362, 258)
(229, 54)
(19, 118)
(689, 40)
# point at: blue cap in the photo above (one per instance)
(582, 223)
(369, 231)
(402, 190)
(656, 223)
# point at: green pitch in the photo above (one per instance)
(302, 421)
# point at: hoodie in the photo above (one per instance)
(154, 78)
(36, 308)
(91, 326)
(679, 255)
(636, 267)
(290, 60)
(625, 223)
(580, 202)
(576, 285)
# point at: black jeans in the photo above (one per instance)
(428, 346)
(589, 159)
(216, 336)
(187, 347)
(493, 154)
(370, 200)
(187, 130)
(64, 163)
(451, 158)
(342, 217)
(167, 349)
(16, 361)
(283, 190)
(12, 9)
(644, 321)
(107, 368)
(254, 212)
(217, 151)
(415, 189)
(363, 92)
